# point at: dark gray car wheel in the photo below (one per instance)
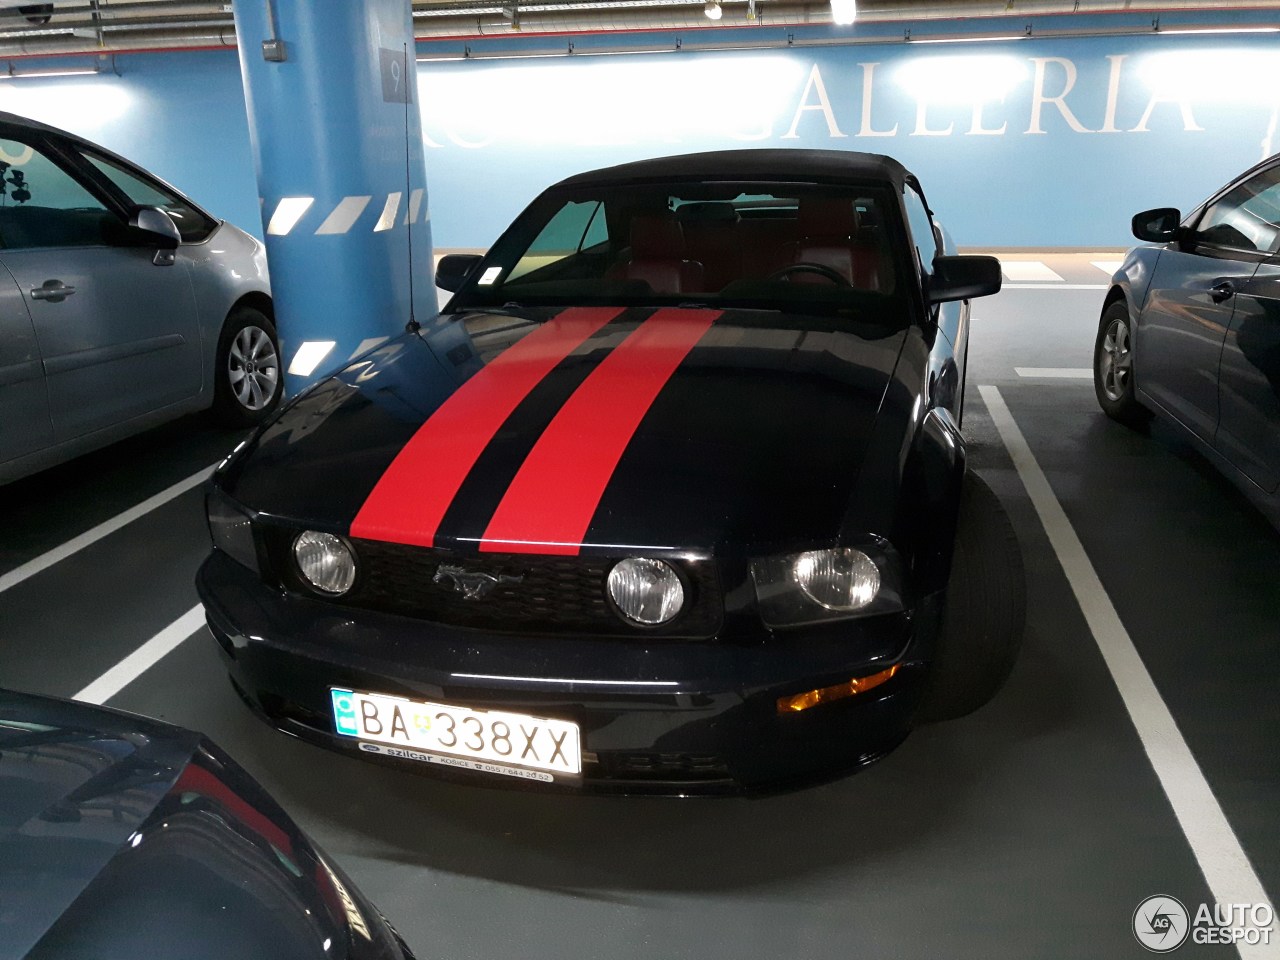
(248, 378)
(1113, 368)
(984, 614)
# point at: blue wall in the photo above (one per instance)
(963, 117)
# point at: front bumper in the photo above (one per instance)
(715, 730)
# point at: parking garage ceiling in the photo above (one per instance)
(114, 26)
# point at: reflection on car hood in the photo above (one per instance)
(74, 786)
(122, 837)
(584, 429)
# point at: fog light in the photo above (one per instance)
(813, 698)
(325, 562)
(646, 591)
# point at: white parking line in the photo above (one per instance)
(1108, 267)
(142, 659)
(1222, 860)
(1060, 373)
(1028, 270)
(59, 553)
(1054, 286)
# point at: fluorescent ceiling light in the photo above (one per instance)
(1011, 36)
(1218, 29)
(479, 11)
(712, 10)
(844, 12)
(62, 72)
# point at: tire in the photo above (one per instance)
(1113, 381)
(984, 612)
(247, 375)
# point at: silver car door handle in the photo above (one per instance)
(52, 290)
(1222, 291)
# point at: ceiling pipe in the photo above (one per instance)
(141, 42)
(195, 29)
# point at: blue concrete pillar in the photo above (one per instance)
(337, 139)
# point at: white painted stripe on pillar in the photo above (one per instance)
(1058, 373)
(389, 210)
(1024, 270)
(365, 345)
(309, 355)
(344, 215)
(107, 527)
(144, 658)
(288, 212)
(415, 202)
(1222, 859)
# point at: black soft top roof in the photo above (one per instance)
(781, 165)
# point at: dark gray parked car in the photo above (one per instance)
(122, 303)
(123, 838)
(1191, 329)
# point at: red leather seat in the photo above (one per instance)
(828, 235)
(658, 256)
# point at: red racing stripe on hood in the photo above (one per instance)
(550, 503)
(410, 498)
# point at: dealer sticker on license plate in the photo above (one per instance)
(487, 741)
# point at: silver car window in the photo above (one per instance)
(192, 224)
(1246, 217)
(41, 205)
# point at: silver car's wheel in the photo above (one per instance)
(1114, 360)
(1113, 371)
(248, 381)
(253, 368)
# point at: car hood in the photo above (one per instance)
(124, 837)
(583, 430)
(74, 786)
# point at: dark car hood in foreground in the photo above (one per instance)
(122, 837)
(733, 427)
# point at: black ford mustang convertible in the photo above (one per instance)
(670, 498)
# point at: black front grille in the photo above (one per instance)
(518, 592)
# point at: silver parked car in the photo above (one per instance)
(122, 303)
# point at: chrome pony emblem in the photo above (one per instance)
(472, 584)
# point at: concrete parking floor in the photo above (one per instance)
(1031, 829)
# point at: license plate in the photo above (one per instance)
(487, 741)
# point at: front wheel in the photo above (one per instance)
(1113, 368)
(984, 612)
(247, 375)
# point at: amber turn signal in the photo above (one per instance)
(813, 698)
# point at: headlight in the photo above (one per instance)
(325, 562)
(646, 591)
(843, 579)
(231, 529)
(825, 585)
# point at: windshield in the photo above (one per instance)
(786, 246)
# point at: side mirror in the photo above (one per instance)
(158, 229)
(1157, 226)
(158, 226)
(453, 270)
(963, 278)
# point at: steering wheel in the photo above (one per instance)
(805, 267)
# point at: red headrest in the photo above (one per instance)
(656, 238)
(827, 217)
